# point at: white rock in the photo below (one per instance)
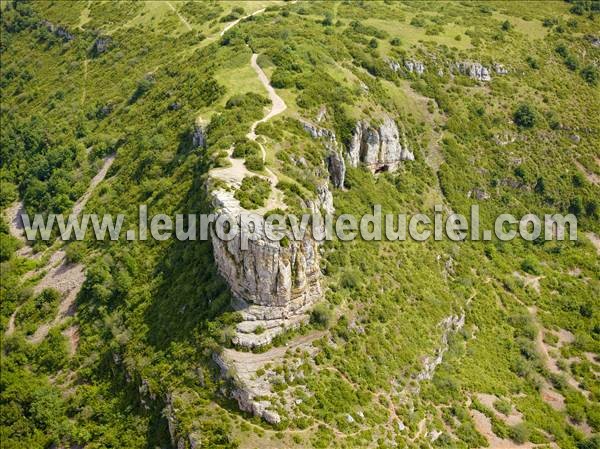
(473, 70)
(380, 149)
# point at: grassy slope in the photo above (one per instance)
(151, 308)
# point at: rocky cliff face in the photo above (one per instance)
(336, 166)
(335, 161)
(380, 148)
(274, 284)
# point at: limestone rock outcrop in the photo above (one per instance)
(58, 30)
(380, 148)
(325, 198)
(415, 67)
(274, 284)
(101, 45)
(335, 161)
(500, 69)
(394, 65)
(316, 131)
(473, 70)
(336, 166)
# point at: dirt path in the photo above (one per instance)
(181, 18)
(81, 202)
(549, 361)
(235, 22)
(484, 427)
(65, 278)
(590, 176)
(278, 105)
(237, 171)
(16, 229)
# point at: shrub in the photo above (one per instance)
(519, 433)
(525, 116)
(75, 251)
(254, 163)
(562, 50)
(253, 192)
(245, 148)
(321, 316)
(590, 74)
(531, 265)
(350, 280)
(571, 63)
(503, 406)
(533, 63)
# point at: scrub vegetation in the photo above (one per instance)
(84, 80)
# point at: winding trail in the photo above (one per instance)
(235, 22)
(278, 106)
(237, 171)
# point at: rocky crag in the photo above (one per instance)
(334, 159)
(273, 285)
(379, 148)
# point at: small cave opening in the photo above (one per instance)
(382, 169)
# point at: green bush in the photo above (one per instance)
(531, 265)
(519, 433)
(320, 316)
(254, 162)
(590, 74)
(245, 147)
(253, 192)
(525, 116)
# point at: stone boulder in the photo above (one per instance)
(101, 45)
(473, 70)
(415, 67)
(381, 148)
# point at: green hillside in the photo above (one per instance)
(101, 103)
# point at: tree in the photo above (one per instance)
(506, 25)
(373, 43)
(525, 116)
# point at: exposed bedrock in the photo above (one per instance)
(274, 284)
(380, 148)
(473, 70)
(335, 160)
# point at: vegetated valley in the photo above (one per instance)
(296, 106)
